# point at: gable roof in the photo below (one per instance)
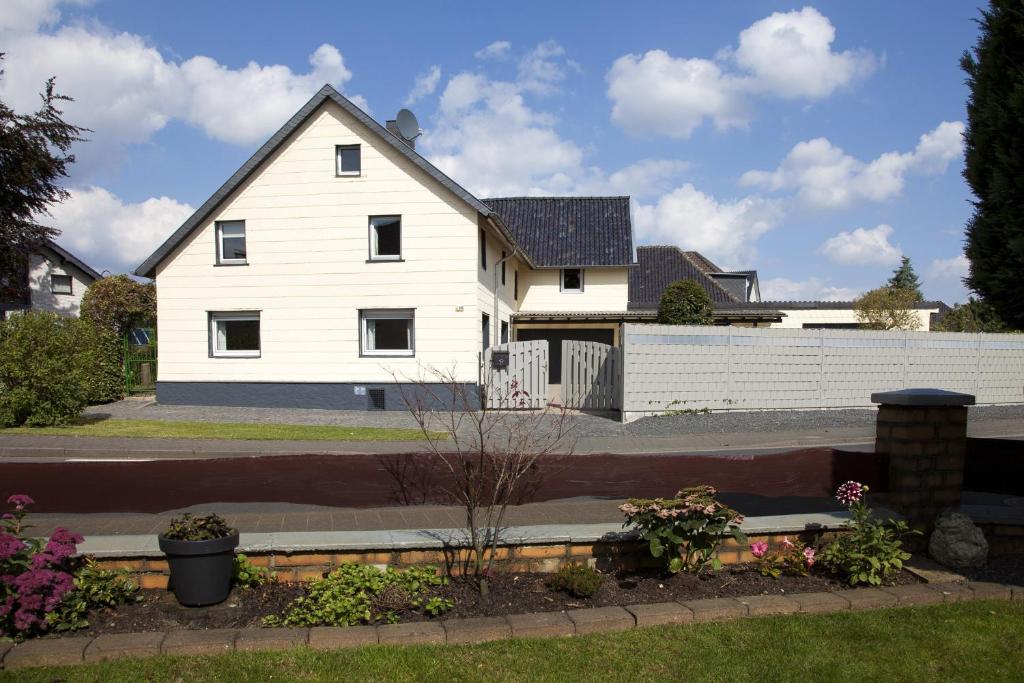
(565, 232)
(66, 255)
(148, 267)
(659, 266)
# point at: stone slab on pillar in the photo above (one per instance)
(924, 433)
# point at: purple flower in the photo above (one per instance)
(20, 501)
(10, 546)
(809, 556)
(851, 492)
(759, 548)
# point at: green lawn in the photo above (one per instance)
(156, 429)
(981, 641)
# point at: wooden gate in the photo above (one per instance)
(140, 362)
(591, 375)
(524, 383)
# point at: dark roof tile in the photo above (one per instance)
(659, 266)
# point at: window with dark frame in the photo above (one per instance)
(350, 161)
(503, 267)
(385, 238)
(231, 243)
(483, 249)
(486, 330)
(388, 332)
(235, 334)
(504, 332)
(60, 284)
(515, 284)
(572, 280)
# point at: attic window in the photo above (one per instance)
(572, 280)
(350, 161)
(231, 243)
(385, 238)
(60, 284)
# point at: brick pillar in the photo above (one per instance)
(924, 433)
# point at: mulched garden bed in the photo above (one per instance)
(509, 594)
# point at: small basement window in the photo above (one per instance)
(572, 280)
(231, 242)
(388, 332)
(385, 238)
(60, 284)
(350, 161)
(235, 335)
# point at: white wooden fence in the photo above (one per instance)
(734, 368)
(524, 384)
(591, 375)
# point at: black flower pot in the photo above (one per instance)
(200, 570)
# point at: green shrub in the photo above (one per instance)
(362, 594)
(684, 530)
(684, 302)
(102, 352)
(119, 303)
(247, 575)
(94, 588)
(577, 580)
(190, 527)
(872, 551)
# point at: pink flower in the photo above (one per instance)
(19, 501)
(809, 556)
(786, 543)
(758, 549)
(851, 492)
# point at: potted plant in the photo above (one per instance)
(200, 552)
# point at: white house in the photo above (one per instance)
(338, 264)
(54, 280)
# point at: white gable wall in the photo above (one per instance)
(307, 249)
(41, 267)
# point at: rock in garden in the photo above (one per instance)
(957, 541)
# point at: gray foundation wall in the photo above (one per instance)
(322, 395)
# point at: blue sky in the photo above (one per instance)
(815, 143)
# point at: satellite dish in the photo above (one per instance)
(407, 124)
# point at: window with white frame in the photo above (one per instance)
(385, 238)
(231, 243)
(388, 332)
(572, 280)
(60, 283)
(235, 334)
(350, 161)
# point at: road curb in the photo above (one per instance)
(80, 650)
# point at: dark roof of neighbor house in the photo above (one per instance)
(148, 267)
(66, 255)
(563, 232)
(830, 305)
(659, 266)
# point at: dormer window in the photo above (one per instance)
(572, 280)
(350, 161)
(231, 243)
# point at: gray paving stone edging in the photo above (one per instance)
(79, 650)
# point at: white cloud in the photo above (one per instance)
(109, 233)
(426, 84)
(955, 268)
(790, 55)
(811, 289)
(125, 90)
(27, 15)
(826, 177)
(723, 231)
(544, 67)
(863, 246)
(786, 55)
(499, 49)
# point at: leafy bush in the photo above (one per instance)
(362, 594)
(684, 302)
(871, 552)
(786, 559)
(101, 352)
(94, 588)
(577, 580)
(118, 303)
(684, 530)
(35, 576)
(247, 575)
(189, 527)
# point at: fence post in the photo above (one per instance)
(924, 433)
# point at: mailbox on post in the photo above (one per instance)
(499, 360)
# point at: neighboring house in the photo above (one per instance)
(337, 267)
(54, 280)
(735, 295)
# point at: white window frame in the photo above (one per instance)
(71, 284)
(561, 281)
(337, 161)
(220, 244)
(366, 315)
(218, 316)
(374, 256)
